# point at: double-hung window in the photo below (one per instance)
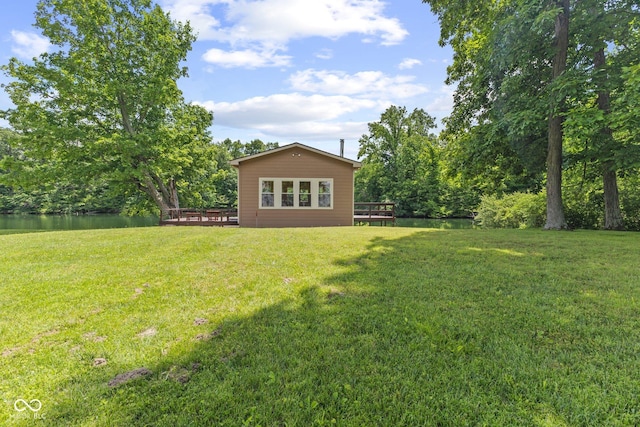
(296, 193)
(287, 199)
(304, 194)
(268, 194)
(324, 194)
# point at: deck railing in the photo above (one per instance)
(191, 216)
(364, 212)
(368, 212)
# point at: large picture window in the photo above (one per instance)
(296, 193)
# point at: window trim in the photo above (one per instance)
(314, 194)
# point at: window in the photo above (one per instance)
(296, 193)
(287, 194)
(304, 195)
(267, 194)
(324, 194)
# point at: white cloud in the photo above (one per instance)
(245, 58)
(293, 116)
(278, 109)
(443, 101)
(324, 54)
(275, 22)
(312, 130)
(198, 12)
(363, 84)
(259, 31)
(28, 45)
(409, 63)
(324, 105)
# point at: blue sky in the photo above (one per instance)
(292, 70)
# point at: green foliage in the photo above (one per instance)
(401, 162)
(630, 200)
(511, 81)
(106, 103)
(224, 182)
(584, 198)
(458, 200)
(479, 159)
(516, 210)
(215, 185)
(19, 193)
(62, 198)
(625, 120)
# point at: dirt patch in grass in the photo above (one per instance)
(35, 340)
(93, 336)
(212, 334)
(200, 321)
(99, 361)
(10, 351)
(129, 376)
(147, 333)
(139, 291)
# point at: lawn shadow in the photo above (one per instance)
(425, 329)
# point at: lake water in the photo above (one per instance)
(27, 223)
(31, 223)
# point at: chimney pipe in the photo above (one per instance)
(342, 148)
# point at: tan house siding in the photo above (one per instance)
(295, 162)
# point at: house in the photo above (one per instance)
(295, 186)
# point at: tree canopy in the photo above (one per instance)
(106, 103)
(532, 75)
(401, 162)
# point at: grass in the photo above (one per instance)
(330, 326)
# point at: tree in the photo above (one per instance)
(607, 32)
(401, 162)
(555, 211)
(106, 103)
(5, 153)
(508, 60)
(527, 77)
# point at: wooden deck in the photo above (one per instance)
(364, 213)
(374, 212)
(202, 217)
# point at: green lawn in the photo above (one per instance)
(359, 326)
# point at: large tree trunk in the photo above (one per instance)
(555, 211)
(612, 214)
(165, 198)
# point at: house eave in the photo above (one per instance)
(236, 162)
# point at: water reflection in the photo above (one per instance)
(13, 223)
(30, 223)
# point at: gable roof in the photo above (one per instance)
(236, 162)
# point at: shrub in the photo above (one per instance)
(584, 209)
(630, 202)
(516, 210)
